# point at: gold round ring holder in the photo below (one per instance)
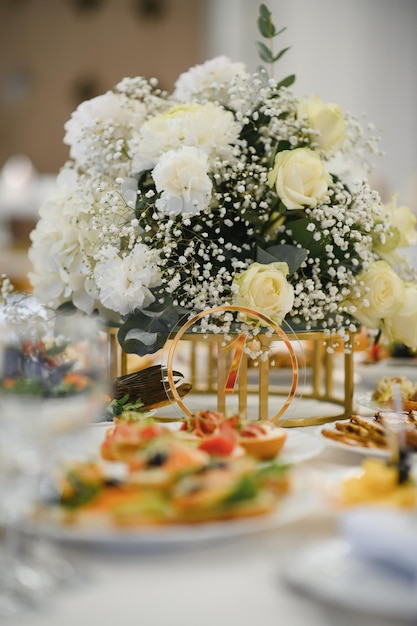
(236, 373)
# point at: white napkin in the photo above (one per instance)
(386, 537)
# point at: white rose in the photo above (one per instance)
(402, 327)
(181, 176)
(327, 119)
(265, 289)
(300, 178)
(382, 294)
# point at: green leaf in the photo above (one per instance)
(292, 255)
(246, 488)
(264, 12)
(272, 470)
(280, 54)
(283, 145)
(280, 31)
(264, 52)
(265, 24)
(306, 237)
(145, 332)
(266, 28)
(286, 82)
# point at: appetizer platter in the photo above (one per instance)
(368, 434)
(148, 483)
(389, 390)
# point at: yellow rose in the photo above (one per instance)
(327, 119)
(382, 294)
(402, 232)
(265, 289)
(403, 223)
(402, 327)
(300, 178)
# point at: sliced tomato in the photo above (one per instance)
(218, 445)
(150, 431)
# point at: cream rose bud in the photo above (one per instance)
(401, 234)
(300, 178)
(404, 222)
(266, 289)
(382, 294)
(325, 118)
(402, 327)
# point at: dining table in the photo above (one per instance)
(291, 568)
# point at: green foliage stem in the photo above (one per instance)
(268, 30)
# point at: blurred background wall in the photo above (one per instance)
(358, 53)
(56, 53)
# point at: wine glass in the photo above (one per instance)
(52, 384)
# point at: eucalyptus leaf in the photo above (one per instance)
(286, 82)
(264, 11)
(266, 28)
(264, 52)
(280, 31)
(265, 24)
(281, 53)
(147, 331)
(284, 253)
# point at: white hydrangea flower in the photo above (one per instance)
(101, 130)
(63, 243)
(124, 281)
(210, 80)
(181, 176)
(208, 127)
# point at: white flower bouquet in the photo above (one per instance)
(229, 190)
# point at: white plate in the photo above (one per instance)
(365, 399)
(362, 450)
(328, 570)
(299, 447)
(292, 508)
(378, 452)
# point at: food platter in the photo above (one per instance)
(294, 505)
(358, 449)
(298, 447)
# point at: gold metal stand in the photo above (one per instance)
(206, 353)
(320, 386)
(116, 357)
(323, 377)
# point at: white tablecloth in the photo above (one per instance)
(235, 581)
(229, 581)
